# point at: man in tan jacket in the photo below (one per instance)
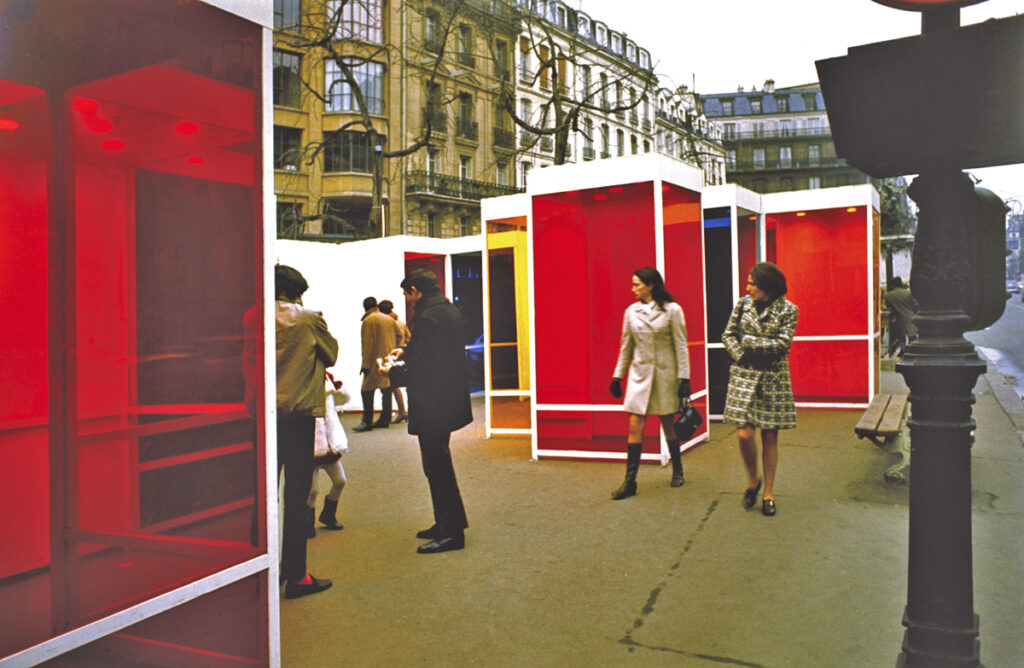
(378, 335)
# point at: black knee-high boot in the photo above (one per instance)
(327, 515)
(677, 464)
(628, 487)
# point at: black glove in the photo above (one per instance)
(684, 388)
(616, 388)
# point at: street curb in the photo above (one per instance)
(1011, 404)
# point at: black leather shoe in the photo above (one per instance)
(298, 590)
(768, 507)
(429, 533)
(362, 426)
(443, 545)
(750, 496)
(381, 425)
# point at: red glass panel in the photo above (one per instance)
(830, 371)
(122, 414)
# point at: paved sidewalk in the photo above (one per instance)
(555, 573)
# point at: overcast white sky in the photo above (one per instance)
(722, 44)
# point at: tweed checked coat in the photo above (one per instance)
(653, 348)
(761, 396)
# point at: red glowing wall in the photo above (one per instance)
(131, 243)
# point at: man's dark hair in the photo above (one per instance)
(386, 307)
(369, 303)
(289, 282)
(422, 280)
(769, 278)
(896, 282)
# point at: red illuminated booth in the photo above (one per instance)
(590, 226)
(827, 243)
(134, 491)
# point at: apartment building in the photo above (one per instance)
(683, 131)
(778, 139)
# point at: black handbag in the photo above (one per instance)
(687, 422)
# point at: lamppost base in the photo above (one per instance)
(948, 647)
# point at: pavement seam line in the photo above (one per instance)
(648, 607)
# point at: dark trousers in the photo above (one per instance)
(295, 456)
(449, 513)
(385, 406)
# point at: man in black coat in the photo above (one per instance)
(438, 384)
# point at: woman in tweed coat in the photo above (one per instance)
(760, 394)
(653, 349)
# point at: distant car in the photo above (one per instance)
(1012, 287)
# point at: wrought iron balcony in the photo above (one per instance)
(778, 133)
(467, 59)
(466, 128)
(588, 152)
(504, 138)
(444, 185)
(775, 165)
(438, 118)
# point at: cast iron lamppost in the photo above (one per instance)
(934, 105)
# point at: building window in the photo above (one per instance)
(811, 102)
(524, 60)
(347, 151)
(500, 59)
(647, 146)
(588, 134)
(729, 130)
(525, 171)
(339, 95)
(755, 106)
(560, 16)
(466, 46)
(616, 43)
(542, 65)
(604, 91)
(585, 81)
(813, 182)
(620, 142)
(432, 226)
(606, 151)
(602, 35)
(583, 26)
(785, 157)
(633, 145)
(782, 104)
(465, 226)
(758, 158)
(727, 107)
(501, 177)
(360, 19)
(645, 60)
(433, 164)
(465, 167)
(757, 129)
(785, 128)
(813, 126)
(286, 14)
(432, 31)
(813, 154)
(286, 79)
(287, 148)
(630, 53)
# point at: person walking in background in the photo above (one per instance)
(305, 348)
(902, 309)
(388, 309)
(760, 394)
(378, 336)
(438, 383)
(330, 443)
(653, 349)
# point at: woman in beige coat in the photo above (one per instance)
(653, 349)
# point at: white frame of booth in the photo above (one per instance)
(653, 167)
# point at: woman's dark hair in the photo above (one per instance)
(652, 277)
(422, 280)
(769, 278)
(386, 306)
(289, 282)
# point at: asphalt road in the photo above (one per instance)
(1003, 343)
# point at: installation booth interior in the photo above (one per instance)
(559, 265)
(134, 495)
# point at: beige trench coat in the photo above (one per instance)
(379, 336)
(653, 348)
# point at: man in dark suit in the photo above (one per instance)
(438, 383)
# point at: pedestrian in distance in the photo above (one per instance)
(902, 309)
(653, 350)
(760, 395)
(330, 443)
(387, 307)
(438, 383)
(378, 336)
(305, 348)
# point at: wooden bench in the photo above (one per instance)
(882, 423)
